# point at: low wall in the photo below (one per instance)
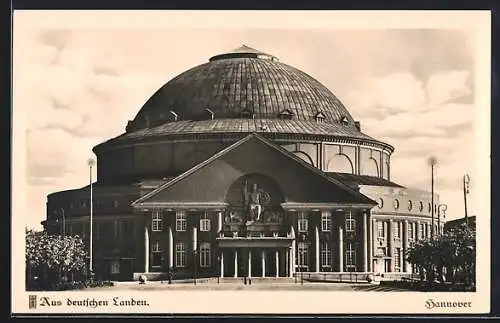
(354, 277)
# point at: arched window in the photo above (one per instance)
(305, 157)
(371, 167)
(340, 164)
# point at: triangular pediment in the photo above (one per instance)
(207, 183)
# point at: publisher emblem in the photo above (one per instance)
(32, 302)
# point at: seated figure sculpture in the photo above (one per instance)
(253, 204)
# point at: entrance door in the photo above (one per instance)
(387, 266)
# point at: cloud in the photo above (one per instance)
(80, 87)
(448, 86)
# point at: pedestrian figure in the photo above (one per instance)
(245, 280)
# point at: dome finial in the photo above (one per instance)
(243, 51)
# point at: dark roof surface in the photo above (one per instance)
(239, 81)
(248, 126)
(356, 180)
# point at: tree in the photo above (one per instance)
(54, 252)
(454, 251)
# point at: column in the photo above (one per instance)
(405, 245)
(235, 263)
(222, 264)
(341, 249)
(170, 248)
(365, 243)
(316, 233)
(417, 232)
(287, 265)
(219, 222)
(374, 238)
(277, 261)
(390, 237)
(249, 262)
(292, 253)
(146, 245)
(291, 263)
(263, 262)
(195, 239)
(370, 243)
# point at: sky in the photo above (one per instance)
(411, 88)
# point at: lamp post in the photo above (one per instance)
(218, 266)
(432, 162)
(441, 209)
(466, 191)
(63, 223)
(194, 265)
(91, 163)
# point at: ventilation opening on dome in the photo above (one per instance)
(247, 114)
(130, 126)
(174, 115)
(344, 120)
(319, 117)
(210, 114)
(286, 114)
(358, 125)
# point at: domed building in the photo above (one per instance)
(244, 167)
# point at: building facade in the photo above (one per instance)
(244, 166)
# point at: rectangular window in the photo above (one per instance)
(397, 230)
(116, 232)
(85, 230)
(397, 259)
(326, 221)
(350, 257)
(180, 221)
(303, 256)
(157, 222)
(326, 255)
(115, 266)
(205, 255)
(410, 231)
(157, 254)
(205, 222)
(180, 254)
(380, 229)
(422, 231)
(302, 223)
(350, 222)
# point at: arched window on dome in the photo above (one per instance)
(286, 114)
(247, 114)
(304, 156)
(340, 164)
(371, 168)
(319, 117)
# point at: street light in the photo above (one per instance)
(220, 268)
(432, 162)
(441, 209)
(194, 265)
(466, 191)
(91, 163)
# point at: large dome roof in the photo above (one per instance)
(243, 83)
